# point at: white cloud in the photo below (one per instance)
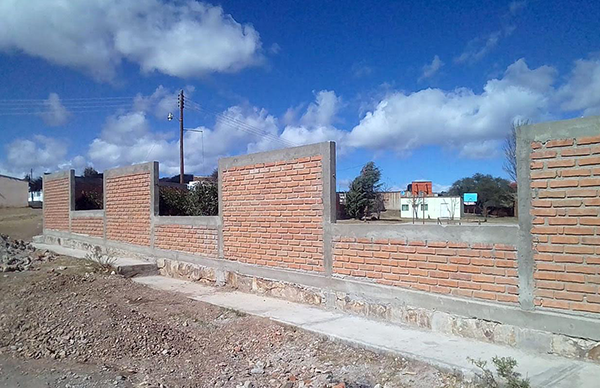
(431, 69)
(479, 47)
(40, 153)
(402, 122)
(482, 45)
(53, 112)
(582, 90)
(186, 39)
(323, 111)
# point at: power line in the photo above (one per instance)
(236, 123)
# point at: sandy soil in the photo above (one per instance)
(21, 223)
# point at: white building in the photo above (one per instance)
(443, 208)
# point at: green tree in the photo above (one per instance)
(203, 200)
(364, 196)
(491, 192)
(35, 184)
(90, 172)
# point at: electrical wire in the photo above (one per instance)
(238, 124)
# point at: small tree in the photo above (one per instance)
(90, 172)
(35, 184)
(491, 192)
(364, 196)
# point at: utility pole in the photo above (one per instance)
(181, 169)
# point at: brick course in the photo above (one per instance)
(482, 271)
(90, 226)
(565, 188)
(127, 208)
(198, 240)
(273, 214)
(57, 204)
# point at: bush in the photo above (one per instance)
(505, 367)
(172, 201)
(89, 200)
(201, 200)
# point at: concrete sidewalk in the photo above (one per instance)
(446, 352)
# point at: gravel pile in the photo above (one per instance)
(19, 255)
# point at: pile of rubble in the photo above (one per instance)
(19, 255)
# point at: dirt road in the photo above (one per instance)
(21, 223)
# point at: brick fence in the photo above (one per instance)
(276, 233)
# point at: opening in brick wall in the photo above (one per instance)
(89, 192)
(194, 198)
(371, 195)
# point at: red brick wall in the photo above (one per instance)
(90, 226)
(565, 183)
(273, 214)
(199, 240)
(468, 270)
(127, 208)
(57, 204)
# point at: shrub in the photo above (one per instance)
(89, 200)
(505, 367)
(201, 200)
(172, 201)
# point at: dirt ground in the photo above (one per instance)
(21, 223)
(71, 323)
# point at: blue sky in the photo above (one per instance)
(428, 90)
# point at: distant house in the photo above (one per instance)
(13, 191)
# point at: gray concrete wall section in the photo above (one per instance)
(188, 220)
(560, 323)
(493, 234)
(277, 155)
(57, 175)
(565, 129)
(13, 192)
(329, 203)
(87, 213)
(150, 167)
(525, 261)
(71, 195)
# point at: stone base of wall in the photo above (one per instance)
(216, 277)
(494, 332)
(478, 329)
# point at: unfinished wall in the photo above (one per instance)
(194, 235)
(273, 208)
(565, 187)
(469, 270)
(57, 200)
(533, 286)
(129, 203)
(88, 222)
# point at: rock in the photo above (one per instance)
(18, 255)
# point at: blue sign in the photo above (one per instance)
(469, 198)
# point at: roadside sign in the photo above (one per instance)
(469, 198)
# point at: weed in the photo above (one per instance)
(103, 260)
(505, 368)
